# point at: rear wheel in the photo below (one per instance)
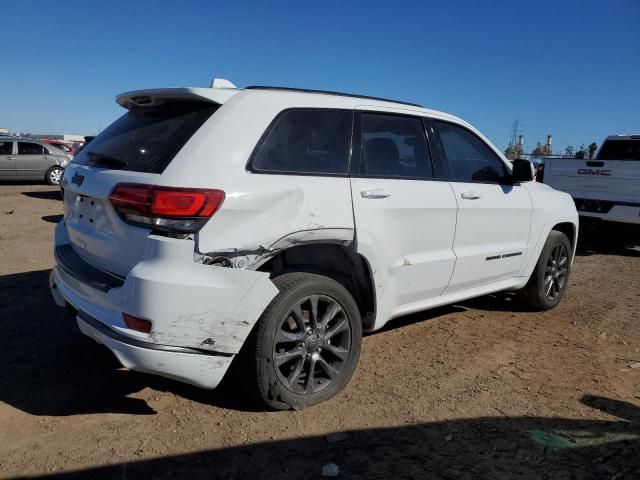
(308, 342)
(549, 279)
(54, 175)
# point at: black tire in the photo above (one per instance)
(290, 343)
(554, 265)
(54, 175)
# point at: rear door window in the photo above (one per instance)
(306, 141)
(28, 148)
(146, 139)
(6, 148)
(620, 150)
(394, 146)
(468, 158)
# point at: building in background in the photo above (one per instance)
(69, 138)
(52, 136)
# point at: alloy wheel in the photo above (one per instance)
(312, 344)
(555, 273)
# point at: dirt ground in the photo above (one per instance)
(477, 390)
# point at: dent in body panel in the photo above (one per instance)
(252, 259)
(264, 214)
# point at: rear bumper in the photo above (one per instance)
(609, 211)
(201, 315)
(204, 370)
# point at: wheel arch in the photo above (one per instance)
(562, 223)
(339, 262)
(570, 230)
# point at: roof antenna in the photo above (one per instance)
(222, 83)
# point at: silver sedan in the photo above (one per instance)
(27, 159)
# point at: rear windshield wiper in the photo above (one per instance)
(99, 159)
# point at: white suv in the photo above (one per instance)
(287, 222)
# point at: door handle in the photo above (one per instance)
(375, 193)
(470, 195)
(10, 158)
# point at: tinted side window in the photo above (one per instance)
(6, 148)
(394, 146)
(25, 148)
(306, 141)
(469, 159)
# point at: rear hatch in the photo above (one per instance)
(613, 175)
(135, 149)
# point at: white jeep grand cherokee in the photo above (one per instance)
(289, 222)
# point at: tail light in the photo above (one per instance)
(165, 208)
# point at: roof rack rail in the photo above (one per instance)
(329, 92)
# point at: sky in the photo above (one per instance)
(569, 68)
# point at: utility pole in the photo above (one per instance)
(516, 144)
(514, 132)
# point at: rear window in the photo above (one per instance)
(146, 139)
(306, 141)
(61, 146)
(620, 150)
(56, 149)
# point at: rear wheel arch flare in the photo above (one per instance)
(339, 262)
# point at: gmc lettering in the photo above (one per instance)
(594, 171)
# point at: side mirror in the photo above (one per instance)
(523, 170)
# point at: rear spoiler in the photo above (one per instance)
(158, 96)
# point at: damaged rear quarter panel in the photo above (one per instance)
(274, 207)
(259, 208)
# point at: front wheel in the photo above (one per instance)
(54, 175)
(308, 342)
(549, 279)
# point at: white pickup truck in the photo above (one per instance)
(607, 187)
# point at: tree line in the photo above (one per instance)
(544, 150)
